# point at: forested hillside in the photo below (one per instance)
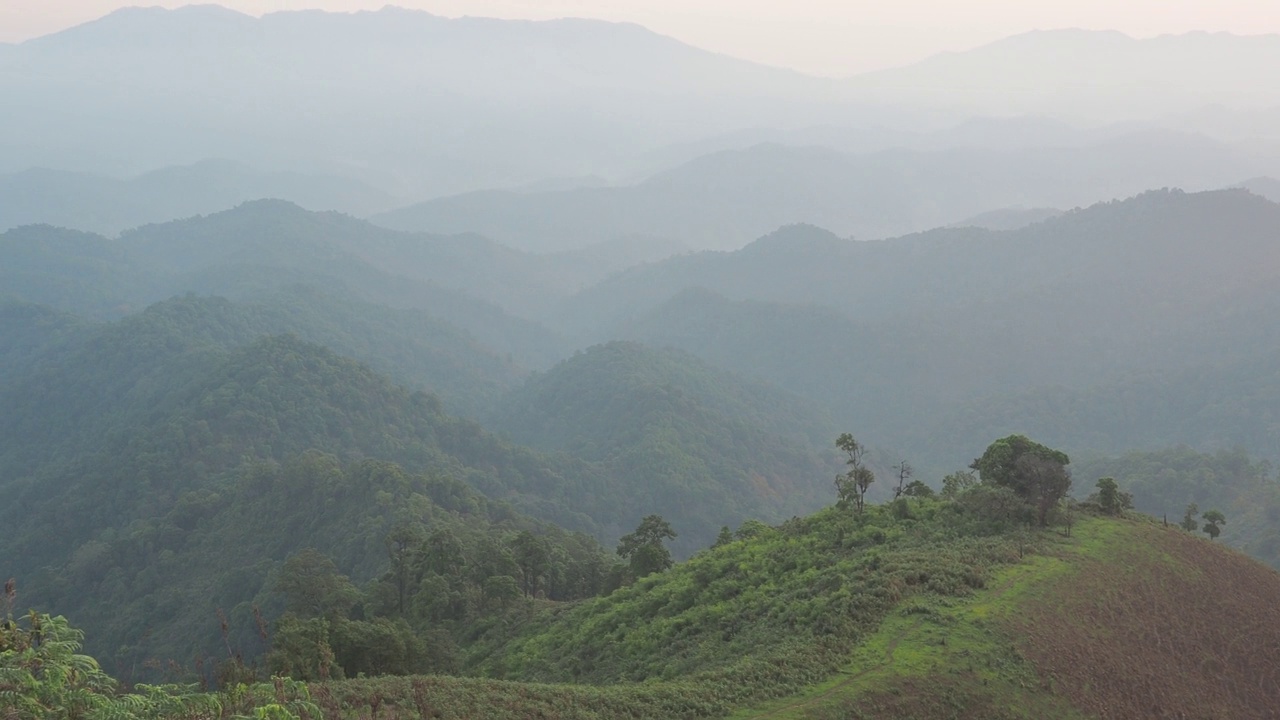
(134, 422)
(692, 443)
(133, 450)
(1178, 482)
(259, 248)
(1079, 328)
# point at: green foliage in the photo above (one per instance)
(154, 476)
(43, 677)
(958, 482)
(1036, 473)
(1213, 520)
(644, 548)
(1111, 498)
(676, 437)
(1189, 522)
(852, 486)
(1164, 482)
(756, 617)
(918, 489)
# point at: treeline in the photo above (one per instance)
(1166, 482)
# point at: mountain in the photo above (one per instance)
(1009, 218)
(726, 199)
(263, 246)
(1092, 326)
(145, 445)
(694, 444)
(1110, 76)
(160, 469)
(410, 347)
(31, 332)
(418, 104)
(1268, 188)
(107, 205)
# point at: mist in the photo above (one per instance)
(607, 360)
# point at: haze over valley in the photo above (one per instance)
(383, 363)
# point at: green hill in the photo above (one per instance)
(895, 619)
(1164, 482)
(1132, 324)
(680, 438)
(921, 609)
(262, 247)
(104, 442)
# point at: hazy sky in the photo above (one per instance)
(831, 37)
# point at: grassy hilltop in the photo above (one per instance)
(897, 619)
(923, 608)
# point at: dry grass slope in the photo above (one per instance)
(1152, 622)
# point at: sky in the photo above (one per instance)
(822, 37)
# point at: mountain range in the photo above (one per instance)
(457, 101)
(726, 199)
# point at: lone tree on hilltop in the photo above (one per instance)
(1189, 522)
(1212, 520)
(644, 548)
(1107, 495)
(852, 486)
(1111, 498)
(1035, 473)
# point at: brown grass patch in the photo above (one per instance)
(1157, 623)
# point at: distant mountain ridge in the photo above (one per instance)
(457, 100)
(726, 199)
(938, 340)
(105, 205)
(473, 103)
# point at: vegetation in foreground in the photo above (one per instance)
(952, 606)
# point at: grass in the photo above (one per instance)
(934, 653)
(1127, 618)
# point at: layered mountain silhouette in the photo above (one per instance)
(726, 199)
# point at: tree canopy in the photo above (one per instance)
(1036, 473)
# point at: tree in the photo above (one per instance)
(917, 489)
(905, 471)
(957, 482)
(1036, 473)
(1108, 495)
(724, 538)
(852, 486)
(404, 544)
(1068, 512)
(1189, 522)
(532, 558)
(501, 589)
(313, 587)
(644, 548)
(443, 554)
(1212, 520)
